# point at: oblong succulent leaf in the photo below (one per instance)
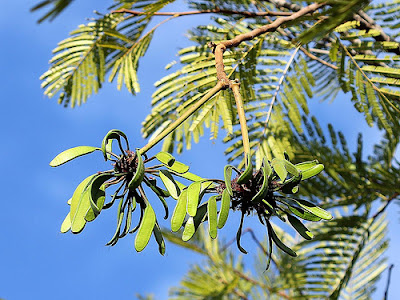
(178, 216)
(228, 178)
(71, 154)
(304, 214)
(94, 189)
(291, 168)
(139, 174)
(278, 242)
(113, 134)
(120, 217)
(145, 229)
(212, 216)
(312, 171)
(160, 194)
(159, 238)
(99, 200)
(193, 196)
(80, 205)
(169, 183)
(247, 173)
(303, 166)
(264, 187)
(189, 230)
(239, 235)
(300, 228)
(165, 158)
(279, 167)
(224, 210)
(178, 167)
(314, 209)
(66, 224)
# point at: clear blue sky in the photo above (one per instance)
(38, 262)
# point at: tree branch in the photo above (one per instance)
(221, 47)
(247, 14)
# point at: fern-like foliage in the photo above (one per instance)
(57, 7)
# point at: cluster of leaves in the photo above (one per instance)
(131, 174)
(250, 192)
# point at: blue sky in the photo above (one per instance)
(38, 262)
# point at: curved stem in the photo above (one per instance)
(242, 118)
(182, 118)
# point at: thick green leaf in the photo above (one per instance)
(100, 198)
(169, 183)
(189, 230)
(160, 194)
(224, 210)
(159, 239)
(306, 165)
(279, 167)
(178, 167)
(66, 224)
(264, 187)
(278, 242)
(312, 171)
(166, 158)
(113, 134)
(145, 229)
(228, 178)
(291, 168)
(304, 214)
(247, 173)
(80, 205)
(71, 154)
(193, 196)
(212, 216)
(139, 174)
(314, 209)
(239, 235)
(300, 228)
(178, 216)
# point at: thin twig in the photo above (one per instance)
(388, 282)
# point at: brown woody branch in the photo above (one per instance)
(248, 14)
(222, 46)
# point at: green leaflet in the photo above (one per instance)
(80, 205)
(212, 216)
(93, 188)
(279, 166)
(178, 216)
(300, 228)
(225, 206)
(99, 202)
(191, 176)
(145, 229)
(165, 158)
(278, 242)
(113, 134)
(160, 194)
(312, 171)
(159, 238)
(189, 230)
(120, 217)
(66, 224)
(239, 235)
(264, 187)
(71, 154)
(247, 173)
(304, 214)
(306, 165)
(291, 168)
(312, 208)
(139, 174)
(178, 167)
(227, 178)
(193, 195)
(169, 183)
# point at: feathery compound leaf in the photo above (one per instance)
(71, 154)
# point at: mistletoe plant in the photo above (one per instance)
(130, 174)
